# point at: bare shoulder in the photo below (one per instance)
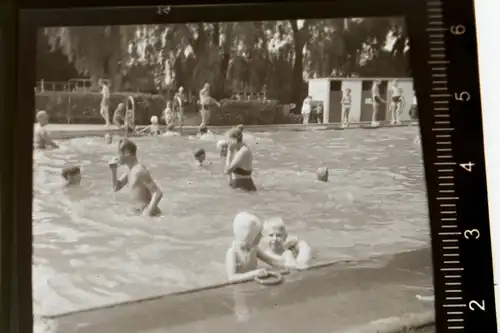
(142, 171)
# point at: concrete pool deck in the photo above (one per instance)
(371, 296)
(69, 131)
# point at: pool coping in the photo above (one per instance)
(78, 131)
(406, 268)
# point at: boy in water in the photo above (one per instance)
(41, 139)
(200, 155)
(243, 254)
(295, 253)
(143, 189)
(346, 107)
(72, 175)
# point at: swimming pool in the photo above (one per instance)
(90, 249)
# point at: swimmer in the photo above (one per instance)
(222, 146)
(143, 189)
(322, 174)
(119, 116)
(153, 128)
(295, 253)
(72, 175)
(204, 133)
(42, 139)
(239, 162)
(243, 254)
(346, 102)
(200, 156)
(108, 138)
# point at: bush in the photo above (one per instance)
(84, 108)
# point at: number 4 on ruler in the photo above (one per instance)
(467, 166)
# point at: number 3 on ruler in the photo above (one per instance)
(472, 233)
(467, 166)
(481, 306)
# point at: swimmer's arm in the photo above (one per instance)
(156, 193)
(232, 276)
(49, 140)
(144, 129)
(271, 260)
(236, 161)
(118, 184)
(304, 254)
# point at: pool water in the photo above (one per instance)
(91, 250)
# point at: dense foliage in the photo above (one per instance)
(275, 56)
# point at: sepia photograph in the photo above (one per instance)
(214, 177)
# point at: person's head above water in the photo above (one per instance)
(235, 134)
(203, 129)
(241, 127)
(200, 155)
(322, 174)
(154, 120)
(276, 234)
(247, 229)
(127, 151)
(108, 138)
(42, 117)
(72, 175)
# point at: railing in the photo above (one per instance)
(73, 85)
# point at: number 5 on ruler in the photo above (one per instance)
(467, 166)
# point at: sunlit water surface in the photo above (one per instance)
(90, 249)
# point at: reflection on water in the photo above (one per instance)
(90, 249)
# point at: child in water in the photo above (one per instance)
(42, 139)
(153, 128)
(170, 130)
(243, 254)
(72, 175)
(200, 156)
(295, 253)
(169, 115)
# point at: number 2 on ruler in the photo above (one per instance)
(467, 166)
(475, 305)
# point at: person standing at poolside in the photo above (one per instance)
(239, 162)
(397, 102)
(206, 101)
(306, 110)
(143, 189)
(105, 101)
(178, 103)
(377, 100)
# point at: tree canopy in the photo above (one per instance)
(275, 56)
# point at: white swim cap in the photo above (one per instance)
(246, 227)
(154, 119)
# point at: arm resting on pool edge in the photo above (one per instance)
(232, 276)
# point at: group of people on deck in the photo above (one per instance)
(396, 105)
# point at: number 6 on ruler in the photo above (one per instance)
(481, 306)
(472, 233)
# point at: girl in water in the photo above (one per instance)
(397, 102)
(239, 162)
(377, 100)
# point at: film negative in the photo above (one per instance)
(320, 158)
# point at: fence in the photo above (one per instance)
(73, 85)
